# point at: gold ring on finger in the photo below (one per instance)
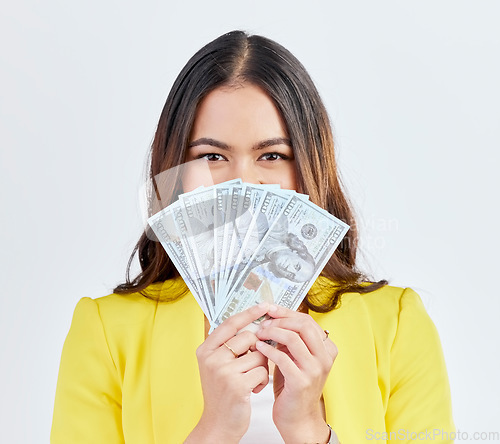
(231, 350)
(327, 334)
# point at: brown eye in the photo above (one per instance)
(273, 157)
(212, 157)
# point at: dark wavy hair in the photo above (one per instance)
(233, 59)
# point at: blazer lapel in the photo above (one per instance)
(176, 396)
(353, 380)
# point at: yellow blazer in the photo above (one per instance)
(129, 372)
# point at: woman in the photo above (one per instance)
(139, 367)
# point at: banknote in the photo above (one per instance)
(222, 193)
(236, 244)
(165, 229)
(255, 224)
(247, 204)
(288, 260)
(232, 204)
(197, 215)
(180, 219)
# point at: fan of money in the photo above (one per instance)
(237, 244)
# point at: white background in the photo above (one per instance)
(412, 89)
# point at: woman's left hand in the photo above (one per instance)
(303, 358)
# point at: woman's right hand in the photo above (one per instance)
(228, 378)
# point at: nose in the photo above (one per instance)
(248, 172)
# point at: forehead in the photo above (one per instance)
(240, 111)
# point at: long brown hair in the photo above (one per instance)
(234, 58)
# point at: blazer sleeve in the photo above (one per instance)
(87, 405)
(419, 404)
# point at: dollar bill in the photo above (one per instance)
(236, 244)
(232, 203)
(181, 222)
(247, 204)
(222, 193)
(164, 227)
(254, 225)
(197, 212)
(288, 260)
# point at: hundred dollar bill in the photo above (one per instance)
(197, 209)
(243, 217)
(247, 204)
(221, 199)
(181, 221)
(254, 225)
(288, 260)
(164, 227)
(230, 217)
(221, 196)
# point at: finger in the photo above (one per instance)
(260, 387)
(228, 347)
(249, 361)
(333, 351)
(232, 325)
(278, 311)
(241, 343)
(283, 362)
(311, 333)
(292, 341)
(258, 376)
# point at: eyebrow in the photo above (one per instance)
(224, 146)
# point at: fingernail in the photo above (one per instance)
(266, 323)
(263, 305)
(273, 308)
(259, 344)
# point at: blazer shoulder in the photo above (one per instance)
(390, 299)
(135, 308)
(385, 298)
(115, 309)
(384, 309)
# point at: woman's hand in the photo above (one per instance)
(228, 378)
(303, 358)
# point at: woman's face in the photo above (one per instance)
(240, 134)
